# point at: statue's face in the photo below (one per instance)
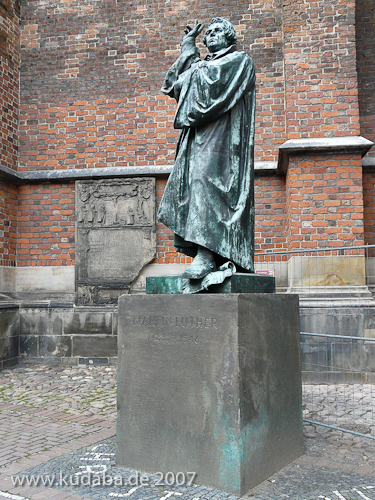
(215, 37)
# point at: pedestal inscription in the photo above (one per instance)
(209, 384)
(115, 236)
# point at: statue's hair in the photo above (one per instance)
(229, 31)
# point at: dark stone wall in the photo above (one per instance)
(369, 209)
(67, 334)
(9, 335)
(328, 359)
(365, 36)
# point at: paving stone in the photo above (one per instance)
(297, 482)
(48, 422)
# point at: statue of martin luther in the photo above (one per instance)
(209, 198)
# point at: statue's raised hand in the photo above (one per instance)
(193, 32)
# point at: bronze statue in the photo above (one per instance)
(209, 198)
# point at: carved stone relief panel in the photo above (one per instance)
(115, 236)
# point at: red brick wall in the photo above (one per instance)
(92, 72)
(8, 224)
(365, 33)
(270, 213)
(9, 108)
(46, 225)
(320, 69)
(9, 81)
(261, 35)
(324, 201)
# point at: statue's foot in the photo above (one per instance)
(203, 264)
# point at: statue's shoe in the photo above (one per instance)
(199, 269)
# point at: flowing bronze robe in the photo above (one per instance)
(209, 197)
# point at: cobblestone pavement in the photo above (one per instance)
(61, 420)
(350, 406)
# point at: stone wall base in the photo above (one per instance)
(49, 328)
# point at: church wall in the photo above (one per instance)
(325, 201)
(9, 81)
(8, 224)
(91, 98)
(270, 213)
(320, 69)
(365, 44)
(46, 225)
(9, 108)
(369, 208)
(99, 103)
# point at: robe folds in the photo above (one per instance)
(209, 197)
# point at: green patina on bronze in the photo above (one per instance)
(209, 198)
(237, 283)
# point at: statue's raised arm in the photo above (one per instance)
(189, 55)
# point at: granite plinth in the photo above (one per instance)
(209, 383)
(237, 283)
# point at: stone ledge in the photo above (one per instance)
(368, 163)
(265, 167)
(347, 144)
(351, 296)
(338, 144)
(6, 305)
(37, 299)
(76, 174)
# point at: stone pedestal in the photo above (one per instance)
(209, 384)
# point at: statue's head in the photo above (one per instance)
(220, 34)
